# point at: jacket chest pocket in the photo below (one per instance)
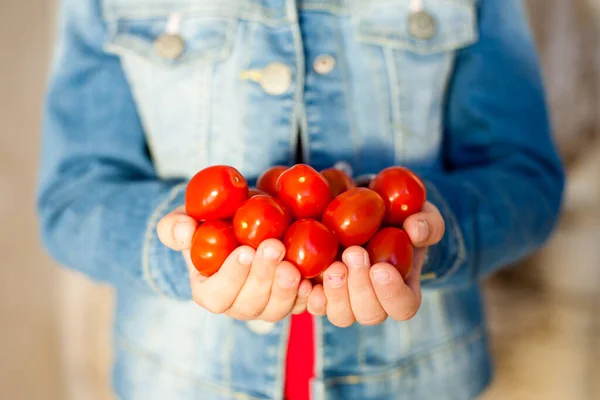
(172, 60)
(411, 46)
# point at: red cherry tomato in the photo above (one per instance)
(267, 182)
(288, 214)
(310, 246)
(338, 180)
(304, 191)
(402, 191)
(215, 193)
(255, 192)
(354, 216)
(212, 243)
(258, 219)
(393, 246)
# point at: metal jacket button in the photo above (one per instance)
(421, 25)
(276, 78)
(324, 64)
(169, 46)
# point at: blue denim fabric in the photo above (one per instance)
(125, 127)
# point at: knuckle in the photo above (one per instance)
(210, 303)
(359, 285)
(246, 313)
(389, 296)
(317, 311)
(235, 279)
(162, 229)
(272, 316)
(371, 320)
(406, 314)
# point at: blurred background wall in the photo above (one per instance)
(544, 313)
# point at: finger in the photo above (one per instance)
(365, 306)
(339, 311)
(176, 229)
(255, 293)
(283, 293)
(218, 292)
(400, 300)
(317, 302)
(425, 228)
(302, 298)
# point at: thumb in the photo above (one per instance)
(425, 228)
(176, 229)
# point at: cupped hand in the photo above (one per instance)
(250, 285)
(356, 291)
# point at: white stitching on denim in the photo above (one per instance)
(284, 338)
(346, 89)
(299, 114)
(243, 93)
(395, 102)
(452, 222)
(232, 8)
(148, 245)
(450, 345)
(124, 44)
(134, 349)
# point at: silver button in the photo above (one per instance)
(324, 64)
(276, 78)
(422, 25)
(169, 46)
(260, 327)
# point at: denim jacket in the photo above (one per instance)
(144, 93)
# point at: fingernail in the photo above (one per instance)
(245, 258)
(422, 230)
(356, 260)
(183, 232)
(381, 275)
(335, 281)
(271, 253)
(286, 282)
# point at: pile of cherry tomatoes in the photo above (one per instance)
(316, 215)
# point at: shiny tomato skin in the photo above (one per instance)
(402, 191)
(304, 191)
(286, 210)
(338, 180)
(212, 243)
(267, 182)
(393, 246)
(310, 246)
(215, 192)
(259, 218)
(354, 216)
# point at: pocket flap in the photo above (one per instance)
(445, 25)
(195, 39)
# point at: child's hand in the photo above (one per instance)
(250, 284)
(355, 291)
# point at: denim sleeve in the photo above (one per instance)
(99, 198)
(501, 190)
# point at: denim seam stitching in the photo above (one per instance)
(148, 247)
(447, 346)
(461, 253)
(126, 345)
